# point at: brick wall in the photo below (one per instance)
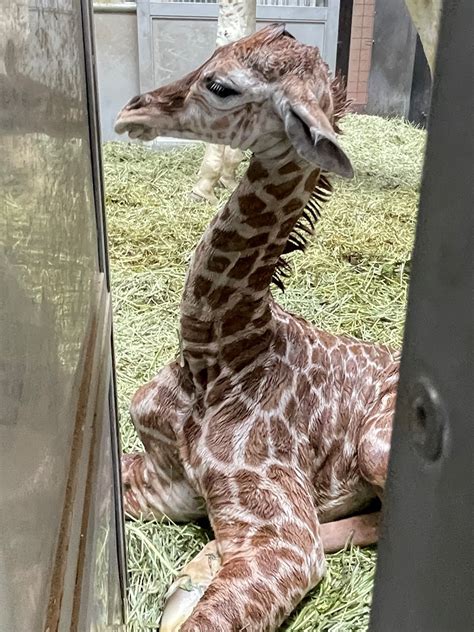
(360, 51)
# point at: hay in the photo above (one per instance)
(352, 279)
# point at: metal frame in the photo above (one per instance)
(344, 36)
(102, 245)
(424, 578)
(148, 10)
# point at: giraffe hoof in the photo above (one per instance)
(181, 599)
(229, 184)
(185, 592)
(203, 196)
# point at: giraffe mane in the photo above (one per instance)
(305, 226)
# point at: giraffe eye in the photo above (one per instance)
(220, 90)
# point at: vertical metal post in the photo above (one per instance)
(424, 579)
(344, 37)
(99, 200)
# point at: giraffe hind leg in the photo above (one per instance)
(154, 481)
(374, 450)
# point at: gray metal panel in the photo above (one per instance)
(425, 580)
(174, 37)
(145, 46)
(393, 55)
(117, 64)
(168, 36)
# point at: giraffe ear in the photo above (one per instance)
(315, 144)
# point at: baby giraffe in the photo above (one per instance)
(267, 424)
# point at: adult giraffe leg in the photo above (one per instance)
(209, 173)
(154, 481)
(232, 159)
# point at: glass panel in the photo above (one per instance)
(102, 602)
(48, 263)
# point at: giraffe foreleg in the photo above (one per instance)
(149, 492)
(188, 588)
(270, 549)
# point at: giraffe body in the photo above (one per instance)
(267, 424)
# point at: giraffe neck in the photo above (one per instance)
(227, 290)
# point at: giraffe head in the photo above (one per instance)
(265, 92)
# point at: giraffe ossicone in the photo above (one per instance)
(270, 426)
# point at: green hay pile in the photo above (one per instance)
(352, 279)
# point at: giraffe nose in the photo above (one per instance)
(140, 101)
(134, 119)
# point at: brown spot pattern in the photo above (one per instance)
(220, 123)
(241, 352)
(196, 330)
(293, 534)
(303, 388)
(231, 326)
(218, 391)
(224, 214)
(202, 287)
(290, 167)
(217, 263)
(256, 171)
(258, 240)
(255, 496)
(312, 180)
(261, 220)
(286, 228)
(264, 536)
(261, 278)
(267, 561)
(243, 266)
(247, 305)
(293, 205)
(220, 296)
(281, 439)
(216, 488)
(191, 431)
(283, 190)
(228, 240)
(256, 450)
(251, 204)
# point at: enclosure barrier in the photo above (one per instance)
(62, 556)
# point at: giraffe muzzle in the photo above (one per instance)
(135, 119)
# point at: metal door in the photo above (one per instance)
(176, 36)
(61, 537)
